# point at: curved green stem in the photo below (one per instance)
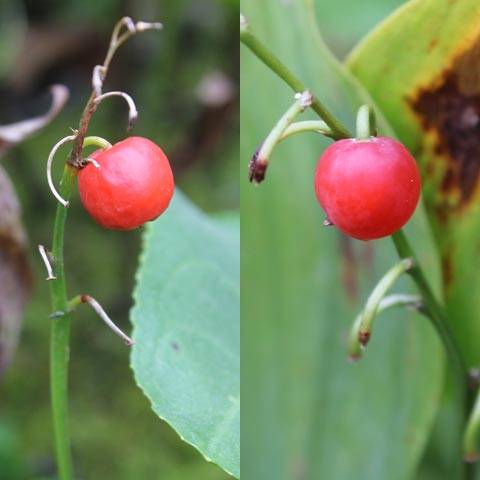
(318, 126)
(97, 142)
(371, 307)
(286, 119)
(59, 340)
(259, 163)
(394, 300)
(274, 63)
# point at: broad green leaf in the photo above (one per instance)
(421, 67)
(307, 412)
(187, 328)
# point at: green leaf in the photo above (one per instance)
(308, 412)
(186, 328)
(421, 67)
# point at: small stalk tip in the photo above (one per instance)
(354, 357)
(243, 22)
(327, 223)
(363, 338)
(256, 170)
(305, 98)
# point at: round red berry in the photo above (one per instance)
(368, 188)
(132, 184)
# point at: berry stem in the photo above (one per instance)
(366, 123)
(97, 142)
(270, 60)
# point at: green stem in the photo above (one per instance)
(259, 163)
(286, 119)
(394, 300)
(318, 126)
(97, 142)
(365, 123)
(371, 307)
(59, 345)
(435, 310)
(274, 63)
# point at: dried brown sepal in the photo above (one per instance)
(256, 170)
(363, 338)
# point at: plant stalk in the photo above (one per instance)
(270, 60)
(59, 339)
(59, 348)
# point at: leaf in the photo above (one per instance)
(15, 276)
(421, 67)
(17, 132)
(307, 412)
(186, 328)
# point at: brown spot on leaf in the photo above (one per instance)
(449, 109)
(433, 43)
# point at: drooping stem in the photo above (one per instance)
(318, 126)
(370, 311)
(259, 163)
(270, 60)
(386, 303)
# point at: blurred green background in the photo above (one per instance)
(185, 84)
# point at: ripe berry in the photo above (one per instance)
(133, 185)
(368, 188)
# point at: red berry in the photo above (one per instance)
(133, 185)
(368, 188)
